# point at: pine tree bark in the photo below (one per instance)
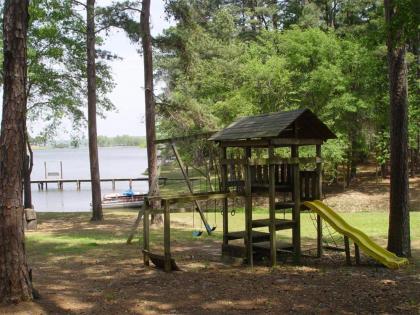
(149, 101)
(399, 215)
(97, 214)
(15, 282)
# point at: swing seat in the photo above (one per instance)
(197, 233)
(210, 229)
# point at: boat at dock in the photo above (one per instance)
(127, 199)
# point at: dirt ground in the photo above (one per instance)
(367, 193)
(114, 281)
(111, 279)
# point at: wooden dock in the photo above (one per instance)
(43, 183)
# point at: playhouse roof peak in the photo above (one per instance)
(300, 124)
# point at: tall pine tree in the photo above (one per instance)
(399, 215)
(15, 282)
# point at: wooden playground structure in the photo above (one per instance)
(251, 168)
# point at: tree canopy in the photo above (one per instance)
(225, 59)
(57, 85)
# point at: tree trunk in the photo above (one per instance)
(97, 214)
(29, 163)
(27, 193)
(149, 101)
(399, 216)
(15, 283)
(384, 170)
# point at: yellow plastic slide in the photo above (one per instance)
(375, 251)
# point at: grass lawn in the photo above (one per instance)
(50, 243)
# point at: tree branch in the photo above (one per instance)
(80, 3)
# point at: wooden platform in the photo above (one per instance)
(257, 236)
(78, 181)
(281, 224)
(284, 205)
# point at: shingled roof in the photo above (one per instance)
(276, 125)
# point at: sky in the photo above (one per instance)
(128, 95)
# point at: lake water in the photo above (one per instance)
(115, 162)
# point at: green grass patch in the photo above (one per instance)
(66, 241)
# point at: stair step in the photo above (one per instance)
(281, 224)
(284, 205)
(257, 236)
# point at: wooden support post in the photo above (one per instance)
(113, 184)
(357, 253)
(146, 233)
(319, 197)
(296, 207)
(190, 188)
(167, 236)
(319, 236)
(78, 185)
(347, 250)
(248, 209)
(130, 184)
(225, 200)
(272, 208)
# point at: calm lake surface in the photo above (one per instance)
(115, 162)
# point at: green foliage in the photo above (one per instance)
(382, 151)
(334, 155)
(57, 85)
(123, 140)
(223, 60)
